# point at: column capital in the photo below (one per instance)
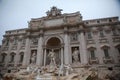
(11, 40)
(81, 29)
(20, 38)
(27, 35)
(66, 30)
(41, 32)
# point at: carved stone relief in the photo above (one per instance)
(74, 36)
(34, 41)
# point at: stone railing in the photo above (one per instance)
(103, 40)
(93, 60)
(11, 64)
(116, 38)
(19, 64)
(90, 41)
(107, 60)
(2, 64)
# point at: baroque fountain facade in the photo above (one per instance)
(62, 47)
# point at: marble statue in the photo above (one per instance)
(75, 55)
(52, 56)
(33, 58)
(54, 12)
(52, 65)
(61, 70)
(68, 69)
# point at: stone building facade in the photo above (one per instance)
(97, 41)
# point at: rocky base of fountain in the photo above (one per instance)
(65, 72)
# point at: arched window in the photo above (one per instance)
(21, 57)
(118, 48)
(3, 56)
(12, 56)
(92, 52)
(106, 51)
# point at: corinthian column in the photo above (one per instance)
(40, 51)
(17, 54)
(83, 48)
(9, 50)
(27, 52)
(66, 46)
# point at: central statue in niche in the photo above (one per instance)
(52, 56)
(52, 60)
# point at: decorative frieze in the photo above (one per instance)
(73, 36)
(34, 41)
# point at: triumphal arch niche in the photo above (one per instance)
(62, 33)
(54, 43)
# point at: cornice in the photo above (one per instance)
(102, 24)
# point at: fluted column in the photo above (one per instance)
(40, 51)
(66, 46)
(83, 47)
(27, 52)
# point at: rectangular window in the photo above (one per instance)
(89, 35)
(106, 53)
(15, 42)
(114, 32)
(7, 43)
(23, 41)
(92, 52)
(101, 33)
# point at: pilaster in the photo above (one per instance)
(9, 51)
(17, 53)
(40, 50)
(66, 46)
(83, 47)
(27, 52)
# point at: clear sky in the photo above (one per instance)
(14, 14)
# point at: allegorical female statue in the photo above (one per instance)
(75, 55)
(33, 58)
